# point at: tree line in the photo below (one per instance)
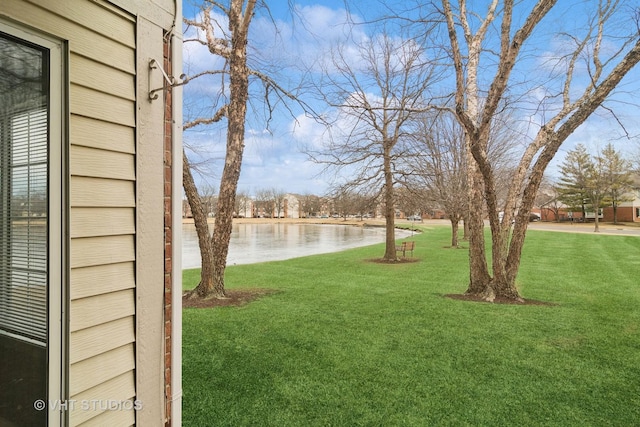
(276, 203)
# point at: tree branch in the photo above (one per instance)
(222, 112)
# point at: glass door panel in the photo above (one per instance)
(24, 240)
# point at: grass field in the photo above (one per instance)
(348, 342)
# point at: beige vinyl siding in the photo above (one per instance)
(116, 26)
(94, 311)
(160, 12)
(91, 162)
(96, 370)
(101, 106)
(113, 389)
(103, 279)
(102, 212)
(101, 250)
(88, 42)
(90, 342)
(89, 381)
(103, 78)
(92, 192)
(111, 418)
(88, 222)
(88, 132)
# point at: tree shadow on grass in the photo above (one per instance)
(477, 298)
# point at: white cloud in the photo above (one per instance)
(275, 162)
(308, 132)
(327, 24)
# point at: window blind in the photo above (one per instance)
(23, 191)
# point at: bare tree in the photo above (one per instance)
(362, 205)
(469, 31)
(209, 200)
(597, 188)
(243, 205)
(413, 200)
(264, 203)
(278, 196)
(310, 205)
(199, 215)
(441, 166)
(635, 160)
(440, 162)
(376, 87)
(223, 28)
(548, 199)
(351, 203)
(342, 204)
(233, 48)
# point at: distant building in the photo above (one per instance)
(627, 211)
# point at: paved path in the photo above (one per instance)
(565, 227)
(606, 228)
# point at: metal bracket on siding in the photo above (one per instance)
(170, 80)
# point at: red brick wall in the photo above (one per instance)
(625, 214)
(168, 233)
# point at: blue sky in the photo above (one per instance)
(273, 158)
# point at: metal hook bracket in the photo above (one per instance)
(168, 80)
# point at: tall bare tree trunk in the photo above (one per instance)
(478, 268)
(236, 115)
(202, 230)
(455, 221)
(389, 206)
(465, 227)
(212, 286)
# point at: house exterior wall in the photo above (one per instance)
(627, 211)
(291, 206)
(119, 337)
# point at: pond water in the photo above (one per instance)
(251, 243)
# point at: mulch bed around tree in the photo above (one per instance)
(240, 297)
(476, 298)
(235, 298)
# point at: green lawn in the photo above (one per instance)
(347, 342)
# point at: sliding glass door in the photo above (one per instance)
(29, 281)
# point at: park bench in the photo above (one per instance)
(406, 247)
